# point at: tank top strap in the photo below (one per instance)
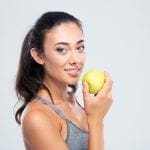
(53, 106)
(80, 105)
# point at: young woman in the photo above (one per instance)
(52, 58)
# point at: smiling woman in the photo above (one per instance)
(63, 54)
(52, 58)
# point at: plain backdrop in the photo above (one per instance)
(117, 40)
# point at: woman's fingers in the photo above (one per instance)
(98, 105)
(109, 99)
(107, 87)
(85, 91)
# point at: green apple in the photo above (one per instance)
(95, 80)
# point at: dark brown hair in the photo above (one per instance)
(30, 74)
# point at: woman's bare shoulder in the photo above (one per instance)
(36, 114)
(41, 127)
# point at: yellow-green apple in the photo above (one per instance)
(95, 80)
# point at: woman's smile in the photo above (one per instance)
(73, 72)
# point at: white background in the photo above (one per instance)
(117, 40)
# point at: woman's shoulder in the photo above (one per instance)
(40, 126)
(37, 113)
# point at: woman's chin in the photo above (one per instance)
(73, 82)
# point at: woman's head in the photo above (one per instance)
(55, 42)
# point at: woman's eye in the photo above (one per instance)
(61, 50)
(81, 48)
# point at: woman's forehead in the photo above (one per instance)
(65, 32)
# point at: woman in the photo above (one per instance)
(51, 61)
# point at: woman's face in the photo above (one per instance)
(64, 53)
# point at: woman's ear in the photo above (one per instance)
(37, 56)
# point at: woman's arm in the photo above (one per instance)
(41, 133)
(96, 108)
(96, 141)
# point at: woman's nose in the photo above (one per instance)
(74, 57)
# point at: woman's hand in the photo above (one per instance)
(97, 106)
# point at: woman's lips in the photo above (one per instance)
(74, 72)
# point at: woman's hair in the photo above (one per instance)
(30, 74)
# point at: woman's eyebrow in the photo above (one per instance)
(65, 43)
(62, 43)
(81, 41)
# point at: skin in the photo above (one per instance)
(63, 60)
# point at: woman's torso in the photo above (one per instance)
(74, 124)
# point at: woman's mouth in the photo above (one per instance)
(73, 72)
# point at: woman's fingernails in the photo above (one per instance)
(84, 83)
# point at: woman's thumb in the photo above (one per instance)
(85, 90)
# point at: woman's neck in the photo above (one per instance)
(58, 91)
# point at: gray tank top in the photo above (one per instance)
(77, 139)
